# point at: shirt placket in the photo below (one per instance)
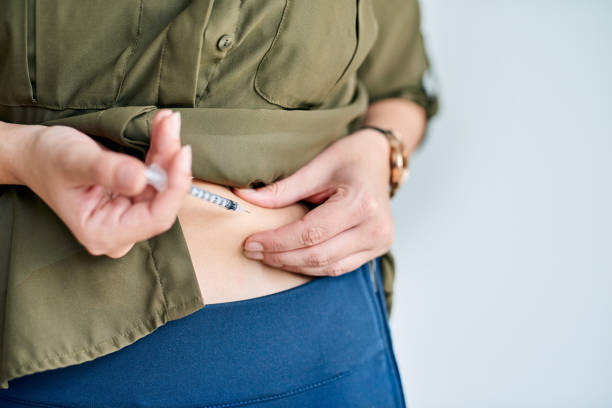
(180, 57)
(220, 38)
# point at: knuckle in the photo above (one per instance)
(120, 253)
(275, 190)
(381, 230)
(95, 250)
(272, 188)
(342, 192)
(273, 259)
(383, 227)
(115, 255)
(312, 235)
(317, 259)
(334, 270)
(368, 204)
(273, 245)
(96, 246)
(70, 159)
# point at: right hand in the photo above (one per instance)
(101, 195)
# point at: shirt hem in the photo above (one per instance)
(110, 344)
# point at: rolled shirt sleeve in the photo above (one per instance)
(398, 65)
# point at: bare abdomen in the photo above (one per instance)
(215, 236)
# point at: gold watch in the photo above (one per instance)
(398, 159)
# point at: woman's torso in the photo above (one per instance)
(205, 55)
(253, 111)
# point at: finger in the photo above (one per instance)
(348, 264)
(162, 113)
(118, 172)
(168, 202)
(341, 246)
(146, 219)
(165, 142)
(340, 212)
(307, 181)
(165, 137)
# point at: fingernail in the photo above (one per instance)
(253, 255)
(246, 190)
(253, 246)
(186, 158)
(126, 176)
(163, 113)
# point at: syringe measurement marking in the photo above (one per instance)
(215, 199)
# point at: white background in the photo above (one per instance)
(504, 230)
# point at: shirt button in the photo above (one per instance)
(225, 42)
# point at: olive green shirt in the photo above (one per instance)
(263, 86)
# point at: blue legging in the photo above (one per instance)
(325, 343)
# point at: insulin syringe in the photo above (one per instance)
(156, 176)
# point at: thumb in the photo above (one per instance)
(118, 172)
(307, 181)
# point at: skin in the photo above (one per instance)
(100, 195)
(349, 180)
(103, 198)
(214, 238)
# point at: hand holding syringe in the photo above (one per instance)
(156, 176)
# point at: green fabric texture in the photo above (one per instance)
(298, 76)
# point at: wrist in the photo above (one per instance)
(15, 151)
(398, 157)
(372, 150)
(374, 143)
(406, 119)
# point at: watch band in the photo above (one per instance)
(398, 159)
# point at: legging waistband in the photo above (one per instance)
(236, 353)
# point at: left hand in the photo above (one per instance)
(352, 224)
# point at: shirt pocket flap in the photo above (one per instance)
(318, 43)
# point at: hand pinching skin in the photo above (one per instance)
(352, 223)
